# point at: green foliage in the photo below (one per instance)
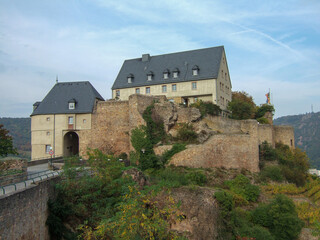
(280, 217)
(267, 152)
(207, 108)
(306, 128)
(144, 148)
(138, 217)
(273, 173)
(154, 129)
(20, 130)
(226, 204)
(241, 185)
(261, 111)
(166, 156)
(242, 106)
(197, 178)
(186, 133)
(170, 177)
(6, 145)
(87, 195)
(293, 163)
(263, 120)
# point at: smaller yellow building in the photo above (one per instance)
(61, 117)
(183, 77)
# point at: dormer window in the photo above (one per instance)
(195, 70)
(130, 78)
(150, 76)
(176, 73)
(72, 104)
(166, 74)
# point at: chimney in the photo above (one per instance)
(145, 57)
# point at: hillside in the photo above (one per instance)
(307, 134)
(20, 130)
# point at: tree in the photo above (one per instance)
(242, 106)
(261, 111)
(6, 146)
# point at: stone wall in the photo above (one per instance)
(23, 214)
(110, 128)
(266, 133)
(221, 150)
(284, 134)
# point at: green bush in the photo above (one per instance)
(263, 120)
(267, 152)
(280, 217)
(261, 111)
(197, 178)
(178, 147)
(186, 133)
(207, 108)
(226, 204)
(170, 177)
(273, 173)
(241, 185)
(154, 125)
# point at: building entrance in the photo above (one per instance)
(70, 144)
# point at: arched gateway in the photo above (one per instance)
(70, 144)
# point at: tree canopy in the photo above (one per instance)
(242, 106)
(6, 146)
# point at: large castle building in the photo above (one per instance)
(73, 117)
(183, 77)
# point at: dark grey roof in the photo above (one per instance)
(207, 59)
(56, 101)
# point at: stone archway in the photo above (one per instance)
(70, 144)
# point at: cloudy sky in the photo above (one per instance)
(269, 44)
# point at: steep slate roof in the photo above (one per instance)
(56, 101)
(207, 59)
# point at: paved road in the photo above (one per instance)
(35, 174)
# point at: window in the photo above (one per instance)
(71, 105)
(84, 120)
(176, 73)
(166, 74)
(137, 90)
(174, 87)
(70, 120)
(195, 70)
(195, 99)
(222, 73)
(117, 93)
(48, 133)
(194, 86)
(225, 76)
(150, 76)
(147, 90)
(164, 88)
(48, 119)
(48, 148)
(130, 78)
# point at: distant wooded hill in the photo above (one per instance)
(20, 130)
(307, 134)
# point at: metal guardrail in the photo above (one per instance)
(31, 180)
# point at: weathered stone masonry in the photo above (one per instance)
(23, 214)
(235, 144)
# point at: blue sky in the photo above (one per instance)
(269, 44)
